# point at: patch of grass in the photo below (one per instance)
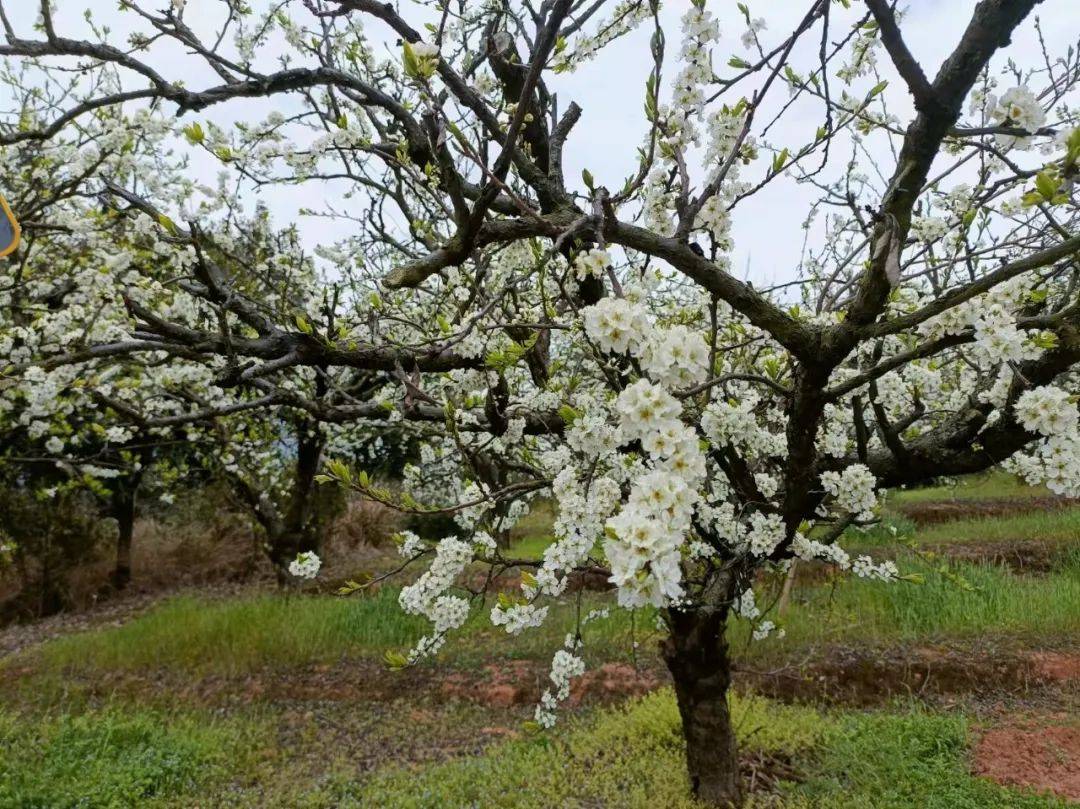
(532, 533)
(236, 636)
(113, 758)
(632, 757)
(902, 761)
(953, 600)
(628, 757)
(242, 635)
(986, 486)
(1051, 525)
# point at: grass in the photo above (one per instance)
(988, 486)
(117, 758)
(954, 600)
(236, 636)
(246, 634)
(632, 757)
(900, 761)
(627, 757)
(1049, 525)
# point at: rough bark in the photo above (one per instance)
(696, 653)
(123, 511)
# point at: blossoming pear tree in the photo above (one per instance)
(102, 418)
(590, 340)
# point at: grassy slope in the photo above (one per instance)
(988, 486)
(632, 757)
(247, 634)
(952, 601)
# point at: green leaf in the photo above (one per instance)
(167, 223)
(738, 62)
(780, 160)
(1047, 184)
(194, 133)
(395, 661)
(877, 89)
(409, 60)
(568, 414)
(587, 178)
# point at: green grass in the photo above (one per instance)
(117, 758)
(630, 756)
(958, 600)
(633, 757)
(987, 486)
(1050, 525)
(246, 634)
(625, 757)
(901, 761)
(239, 635)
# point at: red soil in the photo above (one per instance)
(1046, 759)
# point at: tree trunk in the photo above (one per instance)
(696, 653)
(123, 511)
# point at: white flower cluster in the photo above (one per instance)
(1047, 410)
(518, 617)
(749, 36)
(929, 228)
(735, 423)
(1017, 107)
(675, 356)
(427, 595)
(1055, 461)
(853, 490)
(305, 565)
(409, 544)
(700, 30)
(591, 263)
(616, 325)
(865, 568)
(646, 537)
(564, 667)
(626, 16)
(764, 534)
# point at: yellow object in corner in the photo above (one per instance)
(10, 232)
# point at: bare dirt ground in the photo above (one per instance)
(1029, 753)
(933, 512)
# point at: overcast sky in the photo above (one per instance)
(767, 231)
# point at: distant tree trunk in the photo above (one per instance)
(123, 511)
(302, 517)
(298, 531)
(696, 653)
(123, 506)
(785, 591)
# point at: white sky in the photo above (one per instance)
(767, 227)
